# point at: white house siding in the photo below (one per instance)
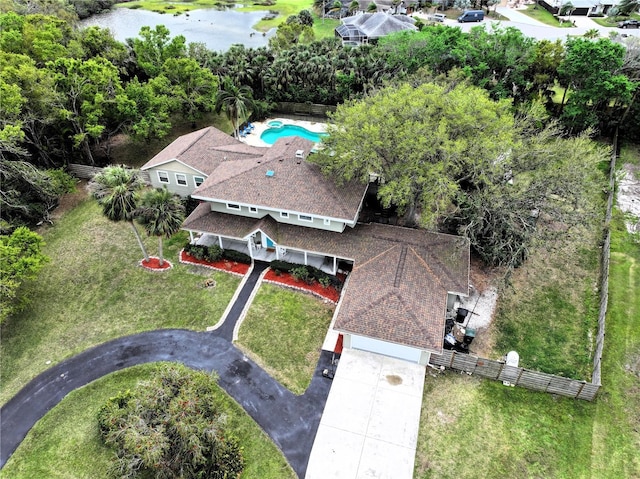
(407, 353)
(317, 223)
(171, 169)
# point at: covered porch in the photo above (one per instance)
(327, 264)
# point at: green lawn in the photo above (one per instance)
(472, 428)
(66, 442)
(613, 21)
(284, 331)
(549, 316)
(538, 13)
(93, 290)
(616, 438)
(175, 8)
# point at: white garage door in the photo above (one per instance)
(383, 347)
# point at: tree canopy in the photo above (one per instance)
(170, 427)
(66, 91)
(161, 213)
(22, 258)
(426, 143)
(451, 157)
(117, 190)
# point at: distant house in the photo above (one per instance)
(369, 27)
(272, 203)
(580, 7)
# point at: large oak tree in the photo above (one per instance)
(450, 156)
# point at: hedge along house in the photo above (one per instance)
(272, 203)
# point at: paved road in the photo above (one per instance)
(538, 30)
(291, 421)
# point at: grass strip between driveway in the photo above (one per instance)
(66, 442)
(283, 332)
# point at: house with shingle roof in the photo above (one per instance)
(272, 203)
(369, 27)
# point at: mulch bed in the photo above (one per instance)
(221, 265)
(330, 293)
(154, 264)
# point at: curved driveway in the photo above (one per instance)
(291, 421)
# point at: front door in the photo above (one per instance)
(269, 242)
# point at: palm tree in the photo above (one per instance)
(236, 102)
(117, 190)
(161, 213)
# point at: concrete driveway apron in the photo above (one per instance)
(369, 427)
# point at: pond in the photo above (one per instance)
(217, 29)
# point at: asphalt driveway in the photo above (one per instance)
(291, 421)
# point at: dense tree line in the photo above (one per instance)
(65, 89)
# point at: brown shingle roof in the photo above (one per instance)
(204, 150)
(293, 184)
(398, 288)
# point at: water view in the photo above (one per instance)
(217, 29)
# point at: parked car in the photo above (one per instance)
(437, 17)
(632, 23)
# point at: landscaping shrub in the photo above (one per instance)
(301, 273)
(280, 266)
(237, 256)
(213, 253)
(190, 204)
(195, 250)
(170, 426)
(306, 273)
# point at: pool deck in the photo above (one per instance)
(253, 138)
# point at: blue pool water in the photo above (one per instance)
(270, 135)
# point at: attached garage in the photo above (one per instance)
(386, 348)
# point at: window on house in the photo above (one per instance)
(163, 177)
(284, 214)
(181, 179)
(232, 206)
(305, 218)
(327, 222)
(198, 180)
(253, 209)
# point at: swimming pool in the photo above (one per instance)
(270, 135)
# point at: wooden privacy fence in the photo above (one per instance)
(311, 109)
(86, 172)
(604, 268)
(499, 371)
